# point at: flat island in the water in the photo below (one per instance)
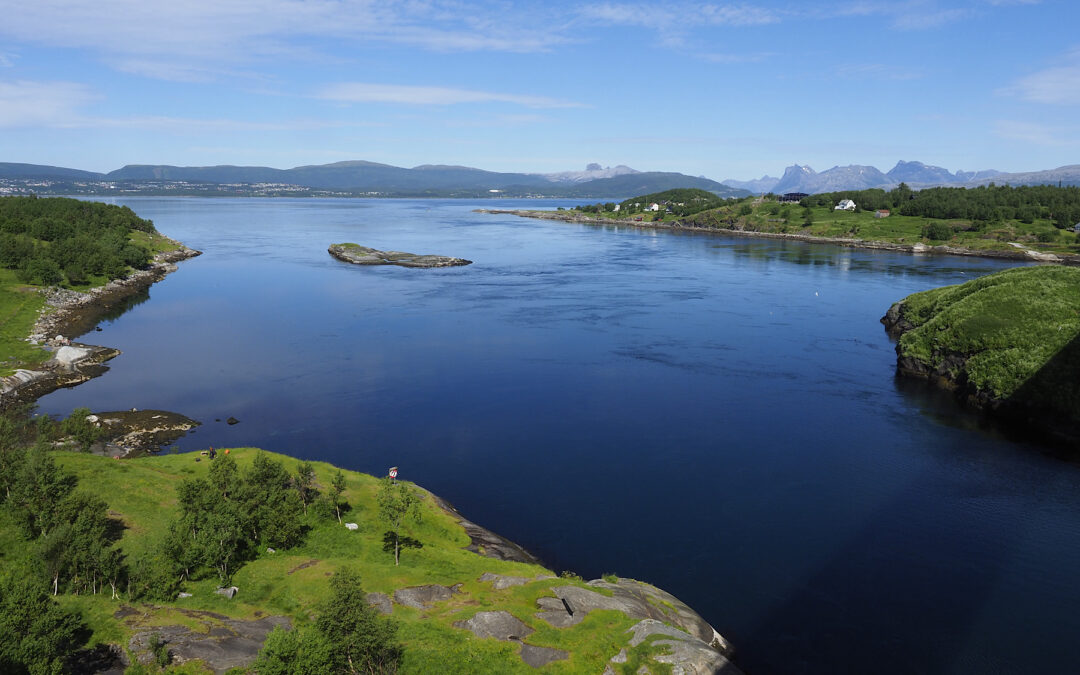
(362, 255)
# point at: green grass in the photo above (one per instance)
(896, 228)
(1018, 329)
(141, 493)
(19, 307)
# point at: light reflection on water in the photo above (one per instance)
(718, 416)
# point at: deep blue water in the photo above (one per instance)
(718, 416)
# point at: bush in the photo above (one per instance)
(937, 232)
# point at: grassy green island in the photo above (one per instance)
(291, 560)
(1009, 341)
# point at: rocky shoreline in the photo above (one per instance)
(1019, 253)
(69, 312)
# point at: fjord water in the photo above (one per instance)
(718, 416)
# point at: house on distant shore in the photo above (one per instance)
(653, 207)
(617, 207)
(845, 205)
(881, 213)
(793, 197)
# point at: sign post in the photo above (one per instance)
(393, 473)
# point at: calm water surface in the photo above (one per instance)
(718, 416)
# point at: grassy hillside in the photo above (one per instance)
(141, 494)
(1011, 336)
(768, 215)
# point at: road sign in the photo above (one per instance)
(393, 472)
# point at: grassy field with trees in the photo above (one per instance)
(83, 536)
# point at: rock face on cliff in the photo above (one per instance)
(1007, 343)
(362, 255)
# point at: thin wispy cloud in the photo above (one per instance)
(1058, 84)
(197, 34)
(363, 92)
(909, 15)
(36, 104)
(681, 16)
(1036, 134)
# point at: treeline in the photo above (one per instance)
(67, 241)
(992, 203)
(679, 201)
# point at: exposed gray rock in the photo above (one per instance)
(500, 625)
(381, 602)
(685, 653)
(362, 255)
(635, 599)
(422, 597)
(499, 581)
(228, 592)
(227, 643)
(538, 657)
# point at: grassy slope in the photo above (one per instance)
(1011, 323)
(142, 492)
(20, 305)
(896, 229)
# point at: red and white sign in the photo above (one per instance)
(393, 472)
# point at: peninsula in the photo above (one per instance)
(1007, 343)
(1026, 223)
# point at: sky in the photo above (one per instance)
(725, 90)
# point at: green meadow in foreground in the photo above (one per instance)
(1012, 335)
(142, 499)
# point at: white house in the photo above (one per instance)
(845, 205)
(617, 207)
(653, 207)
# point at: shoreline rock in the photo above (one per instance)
(917, 248)
(69, 312)
(362, 255)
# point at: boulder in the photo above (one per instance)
(500, 625)
(228, 592)
(422, 597)
(381, 602)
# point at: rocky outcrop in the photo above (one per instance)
(362, 255)
(483, 541)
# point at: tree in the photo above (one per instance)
(36, 634)
(337, 486)
(305, 484)
(360, 641)
(40, 488)
(397, 502)
(300, 651)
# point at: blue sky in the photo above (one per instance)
(725, 90)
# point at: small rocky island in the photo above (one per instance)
(362, 255)
(1007, 343)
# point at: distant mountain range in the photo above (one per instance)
(595, 181)
(916, 174)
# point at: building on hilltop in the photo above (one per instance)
(845, 205)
